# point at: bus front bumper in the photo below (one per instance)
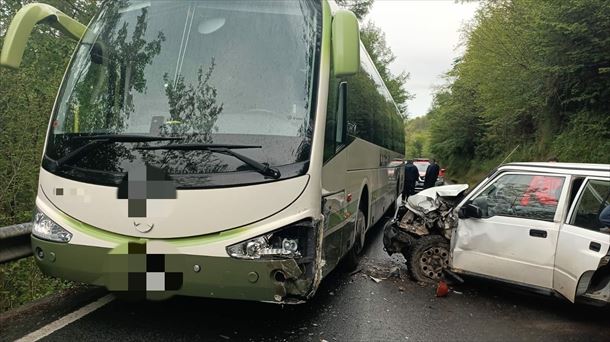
(129, 269)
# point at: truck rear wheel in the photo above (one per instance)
(427, 258)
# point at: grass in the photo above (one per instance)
(22, 281)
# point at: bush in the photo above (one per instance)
(22, 281)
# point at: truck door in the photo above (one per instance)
(515, 238)
(583, 242)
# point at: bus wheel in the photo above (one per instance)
(353, 256)
(427, 258)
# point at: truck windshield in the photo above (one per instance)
(206, 72)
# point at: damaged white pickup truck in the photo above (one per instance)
(534, 225)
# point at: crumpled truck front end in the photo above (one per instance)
(422, 228)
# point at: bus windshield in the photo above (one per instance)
(201, 72)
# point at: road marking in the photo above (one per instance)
(67, 319)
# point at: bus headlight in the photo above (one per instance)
(265, 246)
(294, 241)
(46, 229)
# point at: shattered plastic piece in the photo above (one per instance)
(377, 280)
(442, 290)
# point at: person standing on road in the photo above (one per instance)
(411, 175)
(431, 174)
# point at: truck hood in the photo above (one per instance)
(193, 212)
(425, 201)
(452, 190)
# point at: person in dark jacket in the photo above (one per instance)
(411, 175)
(431, 174)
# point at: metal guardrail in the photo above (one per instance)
(15, 242)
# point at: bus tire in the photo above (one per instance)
(427, 258)
(352, 258)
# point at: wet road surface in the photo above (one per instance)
(348, 307)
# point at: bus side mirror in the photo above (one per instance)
(23, 23)
(345, 43)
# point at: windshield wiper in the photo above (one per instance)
(262, 168)
(97, 140)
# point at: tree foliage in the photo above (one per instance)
(417, 137)
(360, 7)
(534, 75)
(377, 47)
(374, 40)
(26, 97)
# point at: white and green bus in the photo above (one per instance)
(227, 149)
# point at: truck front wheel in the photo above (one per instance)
(427, 258)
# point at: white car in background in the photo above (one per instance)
(534, 225)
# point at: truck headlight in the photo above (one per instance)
(46, 229)
(295, 241)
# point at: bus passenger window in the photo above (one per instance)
(340, 136)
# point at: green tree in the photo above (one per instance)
(360, 7)
(375, 43)
(26, 97)
(535, 75)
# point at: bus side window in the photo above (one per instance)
(341, 132)
(336, 120)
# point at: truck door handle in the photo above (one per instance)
(594, 246)
(538, 233)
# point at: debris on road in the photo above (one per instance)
(442, 289)
(377, 280)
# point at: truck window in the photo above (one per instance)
(518, 195)
(593, 200)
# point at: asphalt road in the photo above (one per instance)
(347, 307)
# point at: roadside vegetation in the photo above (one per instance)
(26, 100)
(534, 78)
(418, 137)
(21, 282)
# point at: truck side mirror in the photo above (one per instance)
(345, 43)
(470, 210)
(23, 23)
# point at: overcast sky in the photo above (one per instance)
(424, 35)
